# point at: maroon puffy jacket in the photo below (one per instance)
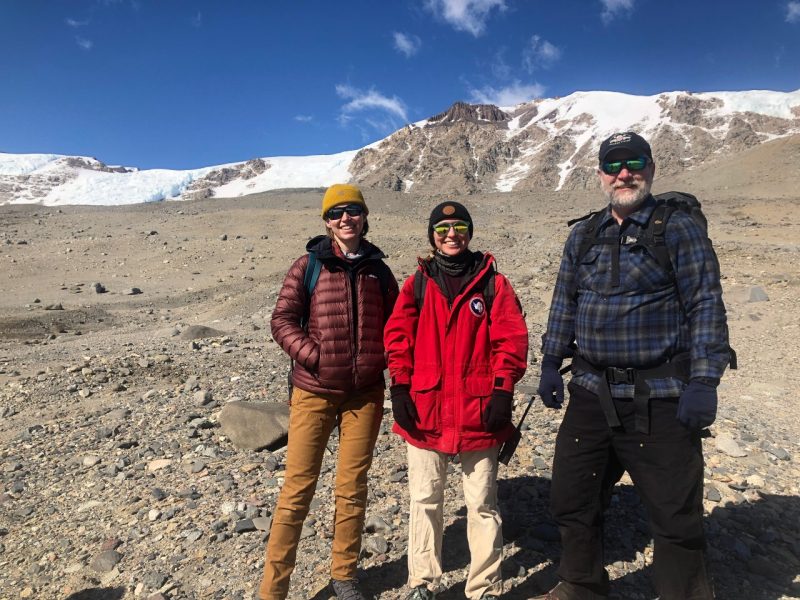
(341, 350)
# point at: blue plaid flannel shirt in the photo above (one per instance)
(640, 322)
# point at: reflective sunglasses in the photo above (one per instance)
(460, 227)
(632, 164)
(337, 212)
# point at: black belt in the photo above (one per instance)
(678, 366)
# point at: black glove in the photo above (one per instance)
(403, 409)
(551, 384)
(497, 413)
(697, 406)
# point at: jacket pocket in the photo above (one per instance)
(426, 392)
(478, 390)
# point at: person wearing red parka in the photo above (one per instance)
(334, 335)
(455, 352)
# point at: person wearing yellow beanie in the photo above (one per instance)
(329, 318)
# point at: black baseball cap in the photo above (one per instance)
(626, 140)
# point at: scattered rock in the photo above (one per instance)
(725, 443)
(255, 425)
(194, 332)
(105, 561)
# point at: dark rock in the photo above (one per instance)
(105, 561)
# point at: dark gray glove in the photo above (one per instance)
(697, 406)
(403, 409)
(551, 384)
(497, 414)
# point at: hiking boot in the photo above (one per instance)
(567, 591)
(421, 593)
(346, 589)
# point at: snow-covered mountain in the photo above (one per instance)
(54, 180)
(543, 144)
(552, 143)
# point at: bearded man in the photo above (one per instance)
(648, 348)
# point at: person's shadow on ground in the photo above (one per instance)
(754, 548)
(105, 593)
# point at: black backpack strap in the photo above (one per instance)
(655, 235)
(572, 222)
(489, 291)
(590, 237)
(385, 277)
(420, 282)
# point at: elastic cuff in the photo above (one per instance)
(712, 381)
(499, 393)
(401, 379)
(551, 360)
(402, 388)
(503, 382)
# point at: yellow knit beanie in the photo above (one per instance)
(342, 193)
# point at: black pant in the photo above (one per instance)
(666, 467)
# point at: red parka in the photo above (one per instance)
(341, 349)
(454, 356)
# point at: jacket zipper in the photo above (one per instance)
(354, 303)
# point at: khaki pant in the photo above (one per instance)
(427, 476)
(312, 418)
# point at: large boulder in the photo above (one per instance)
(255, 425)
(194, 332)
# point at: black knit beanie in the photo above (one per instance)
(448, 210)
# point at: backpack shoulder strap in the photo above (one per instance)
(385, 277)
(310, 278)
(313, 268)
(572, 222)
(589, 237)
(489, 291)
(420, 282)
(655, 234)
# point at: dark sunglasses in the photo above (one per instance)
(337, 212)
(632, 164)
(460, 227)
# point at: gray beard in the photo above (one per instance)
(642, 193)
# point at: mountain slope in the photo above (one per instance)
(548, 144)
(552, 143)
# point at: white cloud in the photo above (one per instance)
(612, 8)
(406, 43)
(465, 15)
(499, 67)
(540, 54)
(793, 11)
(84, 43)
(360, 100)
(75, 23)
(515, 93)
(197, 20)
(303, 118)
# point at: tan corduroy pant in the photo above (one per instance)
(427, 476)
(311, 420)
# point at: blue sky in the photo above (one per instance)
(183, 84)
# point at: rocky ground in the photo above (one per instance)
(117, 480)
